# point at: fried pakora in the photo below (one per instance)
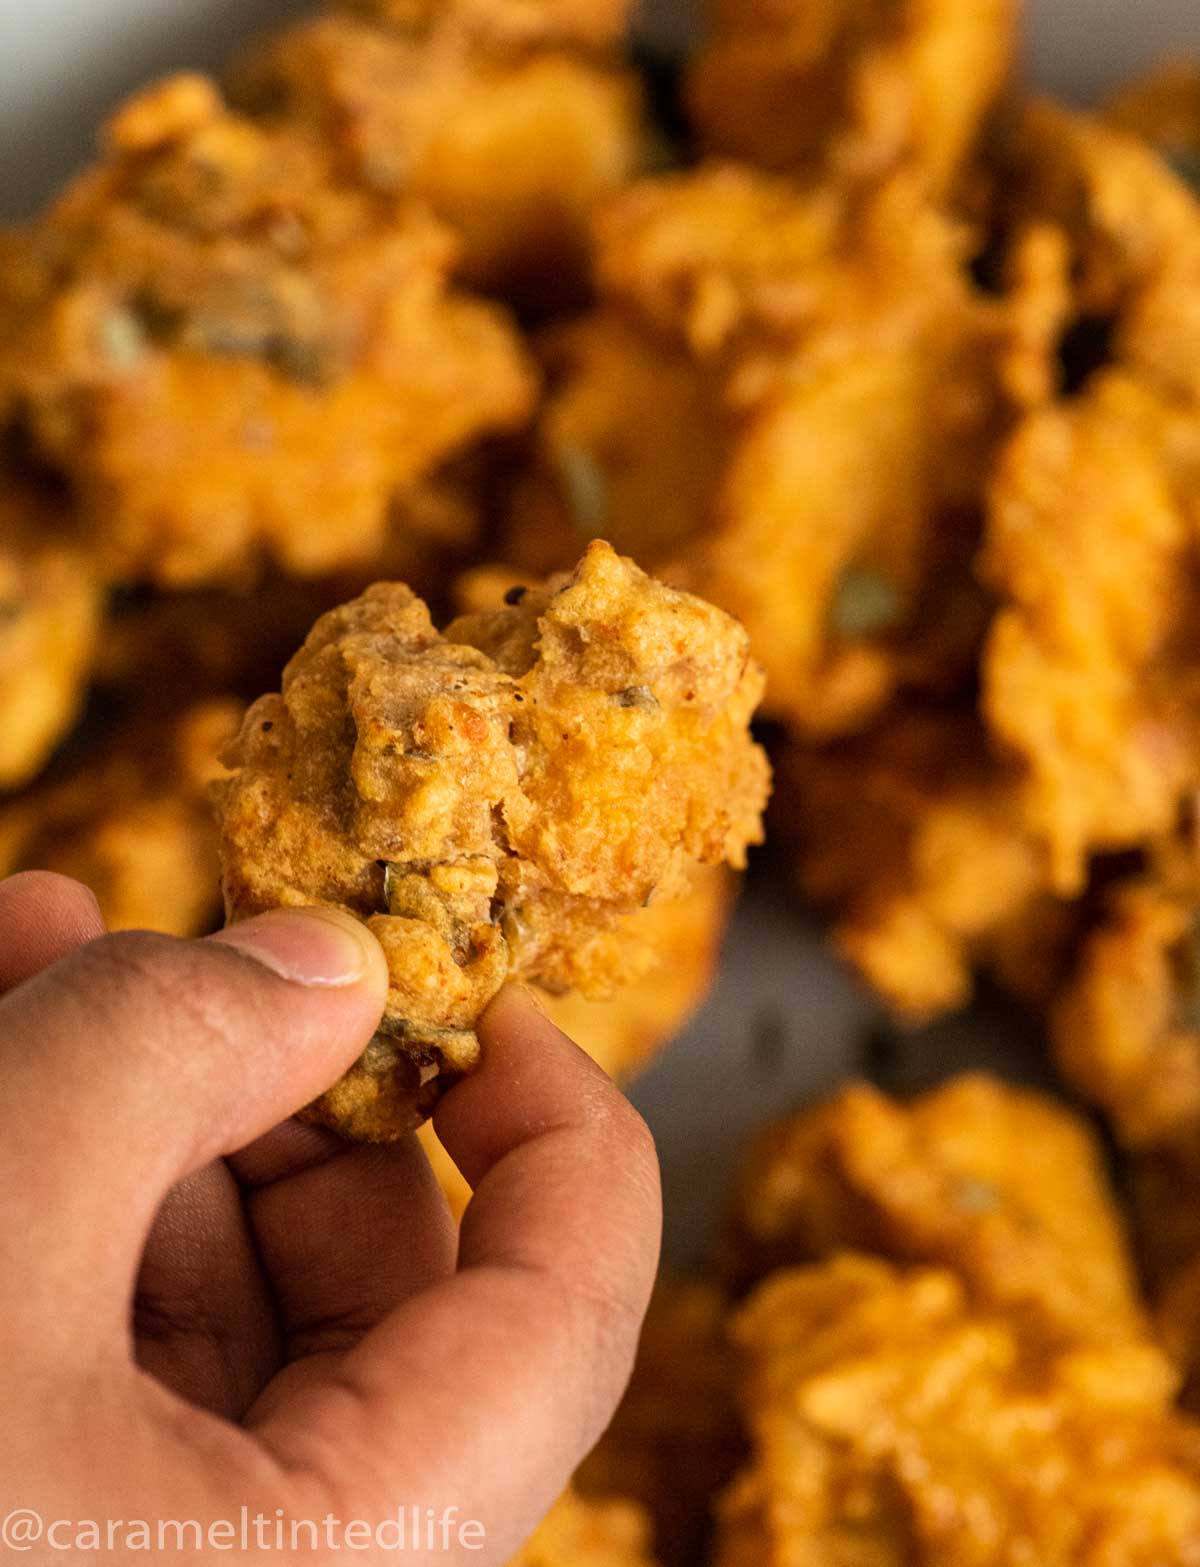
(131, 818)
(764, 419)
(1126, 1026)
(50, 611)
(498, 801)
(1003, 1186)
(580, 1532)
(894, 1423)
(1089, 673)
(851, 90)
(233, 356)
(510, 150)
(676, 1439)
(913, 838)
(515, 25)
(1163, 108)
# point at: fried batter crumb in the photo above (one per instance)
(498, 801)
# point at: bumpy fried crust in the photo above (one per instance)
(913, 838)
(511, 153)
(50, 603)
(131, 819)
(676, 1439)
(1103, 255)
(852, 89)
(1003, 1186)
(235, 355)
(1126, 1027)
(496, 802)
(830, 362)
(896, 1426)
(1089, 674)
(579, 1532)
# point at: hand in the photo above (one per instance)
(204, 1310)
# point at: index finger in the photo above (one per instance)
(497, 1381)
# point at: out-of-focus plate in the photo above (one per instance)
(785, 1022)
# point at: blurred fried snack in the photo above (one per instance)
(597, 25)
(1163, 107)
(131, 818)
(509, 147)
(1089, 674)
(912, 837)
(785, 402)
(1126, 1026)
(1101, 256)
(497, 802)
(676, 1439)
(50, 610)
(895, 1423)
(1005, 1187)
(851, 90)
(583, 1532)
(233, 355)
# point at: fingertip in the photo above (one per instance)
(322, 948)
(43, 917)
(49, 892)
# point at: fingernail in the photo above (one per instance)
(317, 947)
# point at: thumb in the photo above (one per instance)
(139, 1058)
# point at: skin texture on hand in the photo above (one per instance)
(204, 1306)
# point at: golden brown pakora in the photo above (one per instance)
(50, 610)
(1003, 1186)
(511, 151)
(498, 801)
(130, 817)
(851, 90)
(1089, 676)
(234, 356)
(1163, 107)
(895, 1424)
(676, 1439)
(584, 1532)
(599, 25)
(912, 837)
(785, 403)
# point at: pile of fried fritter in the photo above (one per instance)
(887, 376)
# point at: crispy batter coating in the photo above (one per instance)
(510, 152)
(1126, 1027)
(581, 1532)
(50, 607)
(913, 838)
(894, 1424)
(1163, 107)
(1003, 1186)
(852, 89)
(1089, 674)
(234, 355)
(131, 818)
(1103, 256)
(676, 1439)
(499, 801)
(785, 403)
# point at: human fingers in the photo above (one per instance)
(43, 916)
(204, 1321)
(345, 1233)
(137, 1060)
(487, 1389)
